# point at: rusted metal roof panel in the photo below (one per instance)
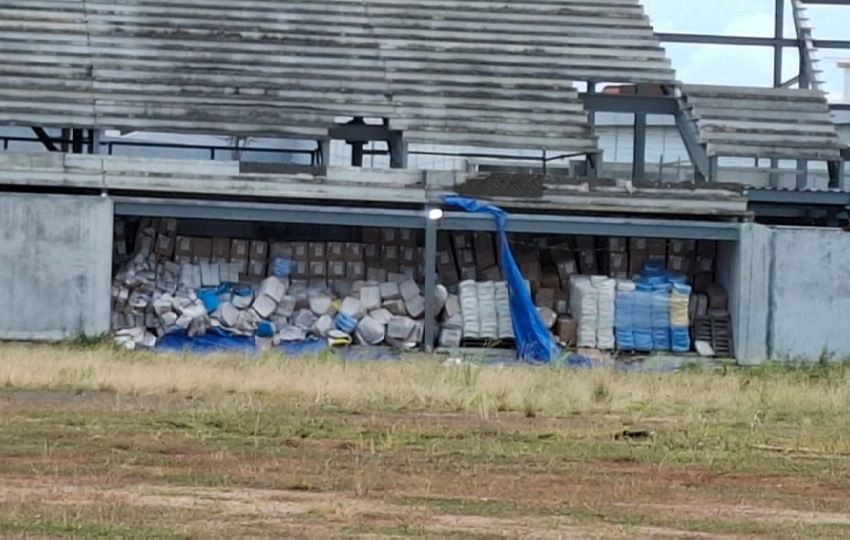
(480, 72)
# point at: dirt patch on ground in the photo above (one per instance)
(285, 511)
(748, 513)
(220, 471)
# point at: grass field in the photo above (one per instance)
(100, 443)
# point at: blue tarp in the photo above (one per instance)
(534, 342)
(215, 341)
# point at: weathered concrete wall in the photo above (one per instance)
(55, 266)
(810, 294)
(744, 270)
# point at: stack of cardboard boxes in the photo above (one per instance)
(466, 257)
(394, 256)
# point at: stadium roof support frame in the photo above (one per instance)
(804, 43)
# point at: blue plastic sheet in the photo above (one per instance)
(215, 341)
(534, 342)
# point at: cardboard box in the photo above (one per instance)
(249, 279)
(239, 249)
(202, 249)
(278, 249)
(586, 243)
(408, 271)
(164, 246)
(356, 270)
(551, 280)
(485, 251)
(448, 275)
(300, 251)
(259, 250)
(371, 235)
(587, 263)
(167, 226)
(656, 248)
(532, 272)
(409, 256)
(221, 249)
(444, 242)
(565, 269)
(353, 252)
(445, 258)
(492, 274)
(318, 269)
(462, 241)
(704, 264)
(300, 270)
(545, 298)
(567, 330)
(391, 266)
(682, 248)
(468, 273)
(618, 265)
(466, 258)
(257, 268)
(240, 266)
(562, 253)
(717, 297)
(372, 253)
(562, 302)
(707, 248)
(638, 244)
(318, 252)
(183, 247)
(119, 229)
(390, 237)
(408, 237)
(376, 274)
(679, 265)
(335, 251)
(119, 248)
(145, 243)
(617, 244)
(702, 281)
(390, 254)
(637, 261)
(336, 269)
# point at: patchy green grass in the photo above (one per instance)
(229, 447)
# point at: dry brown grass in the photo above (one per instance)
(426, 384)
(104, 443)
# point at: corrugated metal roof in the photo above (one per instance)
(480, 72)
(764, 122)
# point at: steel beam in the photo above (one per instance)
(45, 139)
(430, 283)
(639, 148)
(836, 174)
(77, 141)
(359, 132)
(398, 151)
(802, 174)
(324, 153)
(65, 142)
(751, 41)
(778, 34)
(690, 137)
(270, 213)
(596, 226)
(629, 104)
(799, 198)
